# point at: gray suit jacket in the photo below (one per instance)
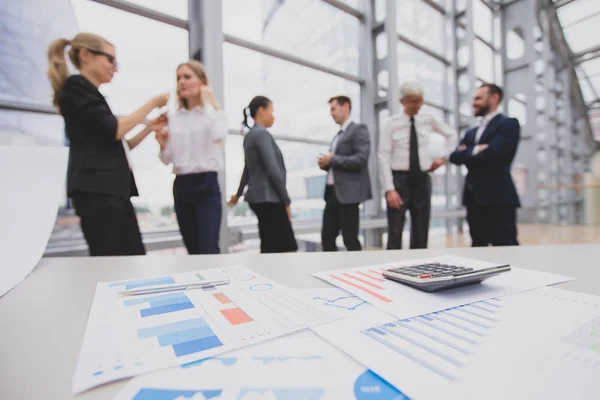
(350, 165)
(264, 172)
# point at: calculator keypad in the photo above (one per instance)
(435, 270)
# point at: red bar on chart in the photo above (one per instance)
(369, 276)
(376, 272)
(223, 299)
(364, 289)
(236, 316)
(364, 281)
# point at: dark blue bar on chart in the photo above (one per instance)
(196, 346)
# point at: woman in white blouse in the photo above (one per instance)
(193, 143)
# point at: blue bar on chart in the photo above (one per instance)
(186, 337)
(143, 282)
(172, 394)
(162, 304)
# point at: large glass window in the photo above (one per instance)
(416, 65)
(421, 23)
(299, 94)
(311, 29)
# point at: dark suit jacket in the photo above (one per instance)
(264, 172)
(489, 179)
(97, 160)
(350, 159)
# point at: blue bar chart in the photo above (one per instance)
(185, 337)
(143, 282)
(440, 342)
(170, 394)
(161, 304)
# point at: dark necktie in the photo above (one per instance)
(414, 166)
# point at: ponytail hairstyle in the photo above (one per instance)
(256, 103)
(58, 71)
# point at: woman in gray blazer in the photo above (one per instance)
(265, 176)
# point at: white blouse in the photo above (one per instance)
(195, 140)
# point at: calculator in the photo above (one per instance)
(431, 277)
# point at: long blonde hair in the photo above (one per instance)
(198, 68)
(58, 71)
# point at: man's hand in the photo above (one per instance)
(482, 147)
(325, 160)
(438, 162)
(289, 212)
(393, 199)
(462, 147)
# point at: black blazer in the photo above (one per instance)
(489, 179)
(97, 160)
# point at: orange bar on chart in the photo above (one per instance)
(223, 299)
(236, 316)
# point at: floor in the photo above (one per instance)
(529, 234)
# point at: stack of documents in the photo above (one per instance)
(369, 339)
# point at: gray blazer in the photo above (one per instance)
(350, 165)
(264, 172)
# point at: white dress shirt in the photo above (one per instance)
(394, 144)
(195, 140)
(482, 126)
(333, 144)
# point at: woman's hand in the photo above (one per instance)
(158, 123)
(162, 137)
(233, 200)
(207, 96)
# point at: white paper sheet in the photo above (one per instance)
(404, 302)
(130, 335)
(341, 303)
(296, 367)
(542, 343)
(31, 182)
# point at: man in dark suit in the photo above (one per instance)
(348, 182)
(487, 151)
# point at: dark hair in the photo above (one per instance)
(494, 89)
(256, 103)
(342, 100)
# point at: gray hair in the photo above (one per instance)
(411, 88)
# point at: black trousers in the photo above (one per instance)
(491, 225)
(336, 217)
(109, 225)
(274, 228)
(415, 192)
(199, 209)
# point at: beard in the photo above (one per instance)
(482, 110)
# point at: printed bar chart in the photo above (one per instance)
(186, 337)
(222, 298)
(162, 304)
(143, 282)
(236, 316)
(442, 341)
(172, 394)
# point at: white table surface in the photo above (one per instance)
(44, 317)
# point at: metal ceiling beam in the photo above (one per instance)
(340, 5)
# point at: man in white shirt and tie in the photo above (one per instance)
(405, 163)
(488, 151)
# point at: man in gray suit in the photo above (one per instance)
(348, 182)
